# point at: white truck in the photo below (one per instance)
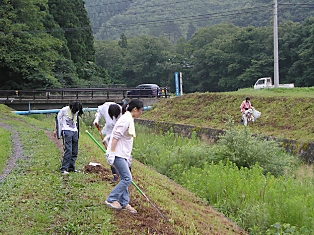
(267, 83)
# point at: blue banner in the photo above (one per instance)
(176, 81)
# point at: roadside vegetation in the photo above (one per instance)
(5, 146)
(286, 113)
(253, 182)
(36, 199)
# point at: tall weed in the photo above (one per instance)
(240, 147)
(253, 200)
(251, 180)
(169, 153)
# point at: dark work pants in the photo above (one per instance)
(70, 145)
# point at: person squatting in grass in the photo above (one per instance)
(67, 127)
(111, 112)
(119, 155)
(246, 110)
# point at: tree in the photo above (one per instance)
(123, 43)
(191, 31)
(27, 53)
(302, 71)
(110, 56)
(72, 18)
(144, 60)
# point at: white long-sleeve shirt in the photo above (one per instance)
(66, 120)
(125, 140)
(102, 111)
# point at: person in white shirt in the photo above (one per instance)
(248, 117)
(67, 127)
(111, 112)
(119, 155)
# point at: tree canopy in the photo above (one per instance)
(175, 19)
(222, 57)
(46, 43)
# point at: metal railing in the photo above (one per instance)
(77, 93)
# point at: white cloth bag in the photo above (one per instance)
(256, 114)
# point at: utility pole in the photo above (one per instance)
(276, 63)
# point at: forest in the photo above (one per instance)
(51, 43)
(175, 19)
(222, 57)
(46, 44)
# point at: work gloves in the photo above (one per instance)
(106, 139)
(129, 162)
(110, 157)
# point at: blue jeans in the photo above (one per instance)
(120, 192)
(70, 145)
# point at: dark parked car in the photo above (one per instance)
(145, 90)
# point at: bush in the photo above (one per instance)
(242, 148)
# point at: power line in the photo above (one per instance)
(204, 16)
(201, 16)
(105, 4)
(144, 7)
(214, 15)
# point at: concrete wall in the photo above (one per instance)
(305, 150)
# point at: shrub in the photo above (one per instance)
(239, 146)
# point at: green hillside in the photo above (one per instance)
(175, 19)
(286, 113)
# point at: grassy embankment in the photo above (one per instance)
(260, 204)
(286, 113)
(6, 146)
(36, 199)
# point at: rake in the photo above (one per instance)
(101, 136)
(138, 189)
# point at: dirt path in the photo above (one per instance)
(17, 152)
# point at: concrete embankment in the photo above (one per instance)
(304, 150)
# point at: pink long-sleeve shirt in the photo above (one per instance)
(245, 105)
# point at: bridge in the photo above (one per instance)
(24, 100)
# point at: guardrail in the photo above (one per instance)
(74, 93)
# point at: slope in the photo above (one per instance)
(36, 200)
(285, 113)
(181, 18)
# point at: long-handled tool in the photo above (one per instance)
(138, 189)
(141, 192)
(101, 135)
(113, 169)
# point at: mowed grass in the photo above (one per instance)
(286, 113)
(36, 199)
(5, 146)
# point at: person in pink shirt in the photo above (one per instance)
(245, 105)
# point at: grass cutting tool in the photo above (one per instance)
(138, 189)
(101, 135)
